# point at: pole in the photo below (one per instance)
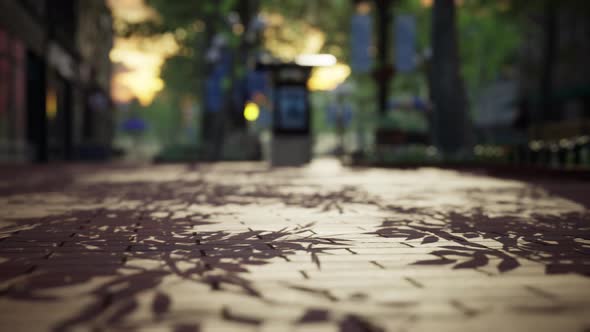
(550, 31)
(384, 71)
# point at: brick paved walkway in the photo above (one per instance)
(236, 247)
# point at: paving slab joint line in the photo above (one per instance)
(304, 274)
(540, 292)
(414, 282)
(31, 269)
(487, 273)
(351, 251)
(469, 312)
(377, 264)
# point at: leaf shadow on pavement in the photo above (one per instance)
(126, 251)
(346, 323)
(474, 240)
(132, 251)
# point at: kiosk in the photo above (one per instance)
(291, 143)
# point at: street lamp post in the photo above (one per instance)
(384, 71)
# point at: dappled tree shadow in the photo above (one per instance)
(124, 239)
(150, 221)
(560, 242)
(203, 192)
(72, 249)
(143, 230)
(347, 323)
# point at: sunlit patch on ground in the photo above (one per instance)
(243, 246)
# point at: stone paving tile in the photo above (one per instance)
(240, 247)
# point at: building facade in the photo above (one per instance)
(49, 76)
(555, 71)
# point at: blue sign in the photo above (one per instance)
(214, 83)
(292, 108)
(265, 118)
(256, 82)
(360, 37)
(214, 91)
(134, 125)
(223, 66)
(405, 43)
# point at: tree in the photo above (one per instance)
(452, 131)
(195, 24)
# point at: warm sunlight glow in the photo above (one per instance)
(428, 3)
(328, 78)
(284, 40)
(316, 60)
(364, 7)
(143, 85)
(131, 10)
(140, 59)
(141, 79)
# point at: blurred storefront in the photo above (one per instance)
(554, 73)
(95, 41)
(553, 108)
(12, 95)
(19, 36)
(54, 74)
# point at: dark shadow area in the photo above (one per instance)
(32, 179)
(136, 248)
(348, 323)
(559, 242)
(568, 189)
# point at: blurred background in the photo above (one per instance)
(394, 82)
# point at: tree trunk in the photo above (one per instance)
(550, 32)
(453, 128)
(383, 45)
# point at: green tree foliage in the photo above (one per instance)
(181, 75)
(489, 34)
(330, 16)
(448, 90)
